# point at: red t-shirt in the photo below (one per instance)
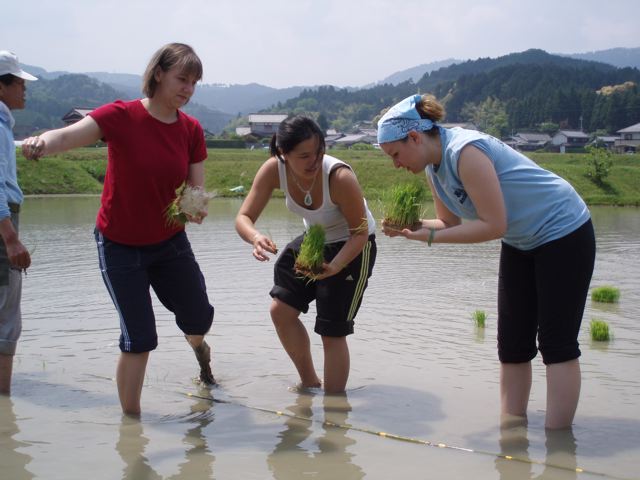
(148, 160)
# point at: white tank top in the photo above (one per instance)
(328, 214)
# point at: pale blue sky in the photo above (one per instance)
(306, 42)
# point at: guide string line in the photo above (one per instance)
(391, 436)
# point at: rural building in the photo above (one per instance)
(526, 141)
(368, 137)
(629, 140)
(465, 125)
(76, 114)
(243, 131)
(569, 139)
(331, 138)
(604, 141)
(265, 124)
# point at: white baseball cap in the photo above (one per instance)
(9, 64)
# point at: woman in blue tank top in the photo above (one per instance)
(548, 243)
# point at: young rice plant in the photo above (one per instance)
(311, 256)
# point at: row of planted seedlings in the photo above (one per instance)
(600, 331)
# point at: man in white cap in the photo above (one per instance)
(14, 257)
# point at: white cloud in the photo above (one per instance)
(305, 42)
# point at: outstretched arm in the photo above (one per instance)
(84, 132)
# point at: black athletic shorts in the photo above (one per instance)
(338, 297)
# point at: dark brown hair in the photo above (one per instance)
(293, 131)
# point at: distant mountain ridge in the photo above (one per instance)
(56, 93)
(518, 90)
(618, 57)
(416, 73)
(216, 104)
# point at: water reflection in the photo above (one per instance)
(131, 446)
(560, 460)
(295, 456)
(418, 366)
(14, 463)
(198, 458)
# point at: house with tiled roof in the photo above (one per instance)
(629, 140)
(76, 114)
(566, 140)
(265, 124)
(527, 141)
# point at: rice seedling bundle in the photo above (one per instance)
(190, 201)
(402, 206)
(479, 317)
(600, 331)
(605, 294)
(311, 255)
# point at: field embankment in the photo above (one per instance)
(82, 172)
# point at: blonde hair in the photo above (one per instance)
(171, 55)
(430, 108)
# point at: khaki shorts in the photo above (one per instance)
(10, 315)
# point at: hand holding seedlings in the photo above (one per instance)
(420, 233)
(190, 205)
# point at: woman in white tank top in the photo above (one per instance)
(322, 190)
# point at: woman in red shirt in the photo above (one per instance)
(153, 148)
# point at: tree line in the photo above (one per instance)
(532, 91)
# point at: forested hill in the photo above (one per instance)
(48, 100)
(516, 91)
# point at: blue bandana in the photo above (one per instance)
(401, 119)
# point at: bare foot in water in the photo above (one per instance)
(203, 355)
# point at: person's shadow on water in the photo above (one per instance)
(298, 454)
(398, 410)
(14, 463)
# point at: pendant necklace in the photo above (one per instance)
(308, 200)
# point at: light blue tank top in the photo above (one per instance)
(328, 215)
(541, 206)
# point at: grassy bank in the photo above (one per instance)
(82, 171)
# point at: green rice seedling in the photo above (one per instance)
(402, 206)
(311, 256)
(600, 331)
(479, 318)
(605, 294)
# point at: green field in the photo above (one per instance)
(81, 172)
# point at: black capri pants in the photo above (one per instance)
(542, 292)
(338, 298)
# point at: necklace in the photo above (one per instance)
(308, 200)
